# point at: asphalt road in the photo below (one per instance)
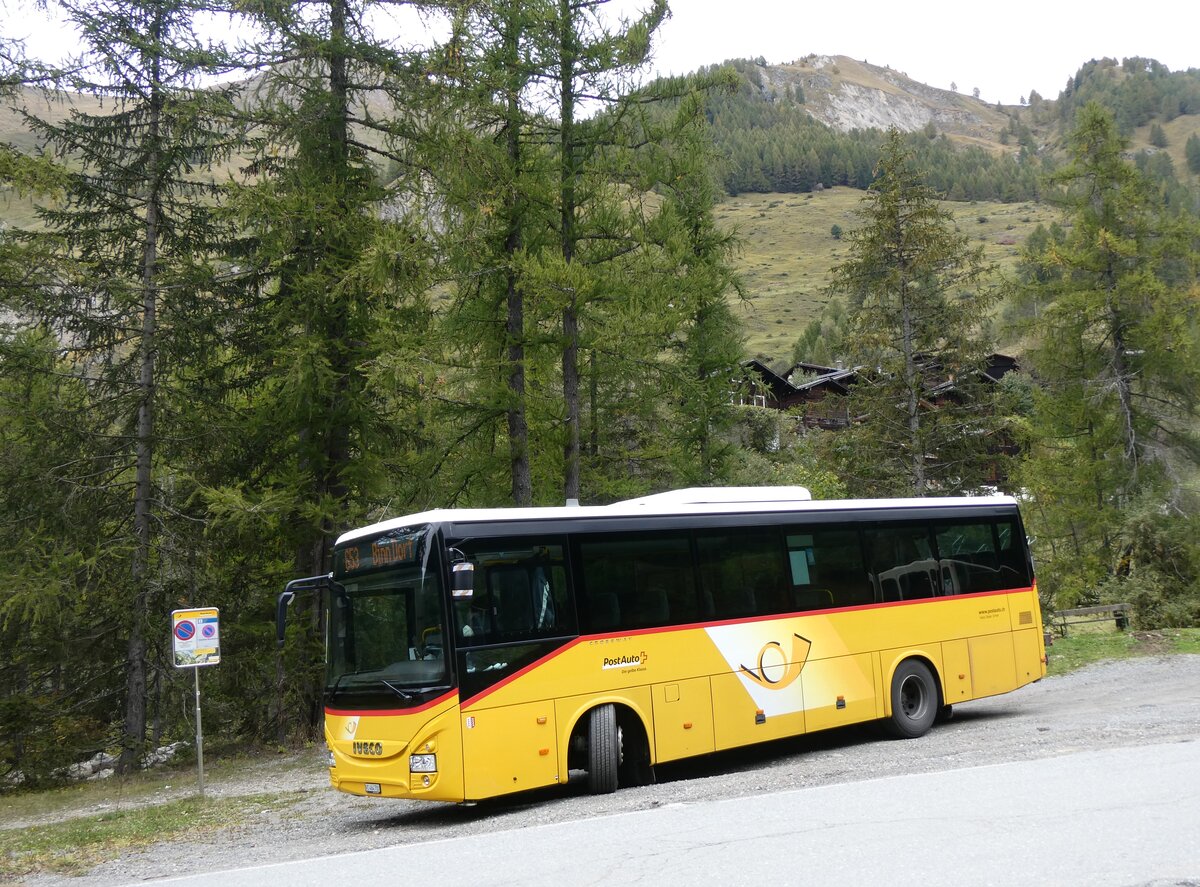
(1123, 816)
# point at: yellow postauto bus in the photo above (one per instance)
(473, 653)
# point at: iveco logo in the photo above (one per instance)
(368, 748)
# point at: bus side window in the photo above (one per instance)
(743, 573)
(520, 593)
(901, 562)
(513, 598)
(826, 568)
(605, 611)
(653, 599)
(1014, 567)
(637, 581)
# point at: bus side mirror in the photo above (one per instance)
(281, 606)
(463, 580)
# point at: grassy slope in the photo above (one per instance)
(788, 251)
(1177, 132)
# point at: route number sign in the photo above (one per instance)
(196, 637)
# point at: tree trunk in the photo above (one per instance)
(912, 382)
(1121, 377)
(570, 317)
(337, 443)
(593, 405)
(134, 729)
(330, 477)
(518, 427)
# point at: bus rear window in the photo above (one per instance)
(980, 556)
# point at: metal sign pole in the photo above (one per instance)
(199, 733)
(196, 639)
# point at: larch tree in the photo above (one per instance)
(559, 275)
(1116, 355)
(706, 342)
(487, 158)
(333, 253)
(594, 64)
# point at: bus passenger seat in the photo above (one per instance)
(605, 611)
(740, 601)
(514, 603)
(653, 607)
(812, 598)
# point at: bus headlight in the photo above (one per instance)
(422, 763)
(332, 760)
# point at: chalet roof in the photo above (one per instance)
(834, 378)
(811, 369)
(817, 377)
(778, 385)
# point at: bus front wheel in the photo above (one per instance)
(604, 750)
(915, 702)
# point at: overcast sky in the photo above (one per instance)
(1005, 49)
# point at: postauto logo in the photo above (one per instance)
(631, 661)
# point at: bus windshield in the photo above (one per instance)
(386, 641)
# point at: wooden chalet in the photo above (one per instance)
(819, 393)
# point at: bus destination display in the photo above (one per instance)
(385, 551)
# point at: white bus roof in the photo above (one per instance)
(699, 500)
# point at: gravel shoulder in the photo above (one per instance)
(1124, 703)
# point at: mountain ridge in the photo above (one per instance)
(848, 94)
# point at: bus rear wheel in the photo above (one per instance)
(915, 702)
(604, 750)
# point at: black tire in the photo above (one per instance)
(604, 750)
(915, 700)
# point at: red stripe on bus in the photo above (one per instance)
(383, 712)
(638, 632)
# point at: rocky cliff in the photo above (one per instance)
(848, 94)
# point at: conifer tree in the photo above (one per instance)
(915, 318)
(1192, 152)
(592, 62)
(334, 261)
(570, 266)
(1117, 358)
(127, 252)
(490, 157)
(708, 345)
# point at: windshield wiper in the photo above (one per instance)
(406, 695)
(333, 691)
(403, 694)
(411, 694)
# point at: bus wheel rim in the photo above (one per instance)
(912, 697)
